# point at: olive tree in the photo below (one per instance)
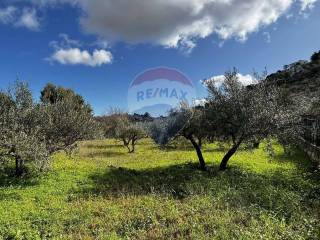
(65, 123)
(293, 118)
(186, 122)
(67, 118)
(242, 114)
(30, 132)
(129, 132)
(21, 137)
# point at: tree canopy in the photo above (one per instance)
(31, 131)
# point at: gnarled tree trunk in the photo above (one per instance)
(199, 152)
(133, 144)
(230, 153)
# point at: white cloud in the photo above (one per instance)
(7, 14)
(29, 19)
(65, 42)
(67, 51)
(245, 80)
(307, 4)
(21, 18)
(177, 23)
(75, 56)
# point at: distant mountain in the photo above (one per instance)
(156, 110)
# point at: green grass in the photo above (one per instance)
(105, 193)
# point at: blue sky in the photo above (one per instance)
(33, 32)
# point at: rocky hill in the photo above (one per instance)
(301, 78)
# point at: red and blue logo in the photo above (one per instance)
(158, 90)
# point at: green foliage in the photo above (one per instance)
(109, 122)
(162, 131)
(241, 114)
(315, 108)
(129, 132)
(185, 122)
(66, 123)
(31, 132)
(105, 193)
(52, 94)
(21, 138)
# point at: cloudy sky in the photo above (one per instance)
(98, 46)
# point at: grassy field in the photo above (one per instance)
(105, 193)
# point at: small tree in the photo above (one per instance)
(186, 122)
(129, 132)
(242, 114)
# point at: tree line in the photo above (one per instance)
(233, 113)
(31, 131)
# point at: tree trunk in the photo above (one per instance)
(19, 166)
(200, 142)
(256, 145)
(226, 158)
(199, 153)
(127, 144)
(133, 144)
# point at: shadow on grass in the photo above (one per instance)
(120, 181)
(205, 148)
(234, 188)
(297, 157)
(8, 179)
(170, 148)
(102, 146)
(105, 154)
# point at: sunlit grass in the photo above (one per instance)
(105, 193)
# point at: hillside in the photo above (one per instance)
(301, 78)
